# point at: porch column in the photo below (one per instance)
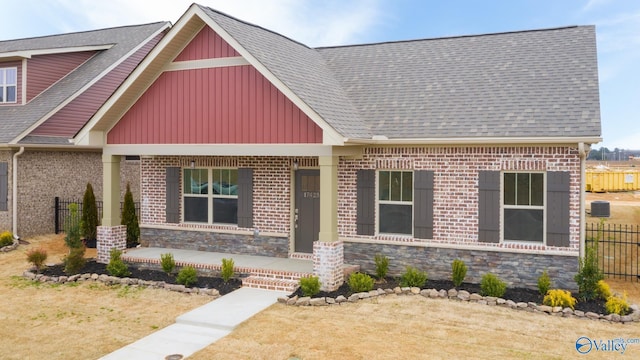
(328, 252)
(110, 234)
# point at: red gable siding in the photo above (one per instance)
(206, 45)
(70, 119)
(44, 70)
(228, 105)
(18, 65)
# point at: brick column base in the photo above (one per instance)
(328, 263)
(110, 237)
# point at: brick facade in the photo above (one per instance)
(43, 175)
(110, 237)
(328, 263)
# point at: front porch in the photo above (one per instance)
(261, 272)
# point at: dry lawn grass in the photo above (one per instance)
(76, 321)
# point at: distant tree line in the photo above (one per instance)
(604, 154)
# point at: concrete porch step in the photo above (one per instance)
(266, 283)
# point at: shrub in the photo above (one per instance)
(227, 270)
(603, 290)
(360, 282)
(74, 261)
(617, 305)
(458, 272)
(413, 277)
(382, 266)
(544, 283)
(491, 285)
(310, 285)
(588, 274)
(37, 257)
(6, 238)
(116, 266)
(72, 229)
(130, 219)
(557, 297)
(89, 215)
(187, 276)
(167, 262)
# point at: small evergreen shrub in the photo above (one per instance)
(544, 283)
(130, 219)
(617, 305)
(458, 272)
(310, 285)
(187, 276)
(168, 263)
(603, 290)
(588, 275)
(6, 238)
(89, 215)
(413, 277)
(116, 266)
(491, 285)
(360, 282)
(74, 261)
(37, 257)
(72, 229)
(382, 266)
(227, 270)
(557, 297)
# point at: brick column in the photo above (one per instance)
(110, 237)
(328, 252)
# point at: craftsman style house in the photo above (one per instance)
(467, 147)
(49, 88)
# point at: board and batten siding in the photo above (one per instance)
(45, 70)
(206, 45)
(224, 105)
(68, 121)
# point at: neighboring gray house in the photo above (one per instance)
(49, 88)
(469, 147)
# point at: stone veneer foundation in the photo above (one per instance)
(515, 268)
(110, 237)
(232, 243)
(328, 260)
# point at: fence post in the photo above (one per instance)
(56, 206)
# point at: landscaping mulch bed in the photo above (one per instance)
(93, 267)
(514, 294)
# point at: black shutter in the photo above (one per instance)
(366, 202)
(4, 186)
(173, 195)
(423, 204)
(558, 208)
(245, 197)
(489, 206)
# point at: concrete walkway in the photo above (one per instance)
(200, 327)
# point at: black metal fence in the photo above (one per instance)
(618, 247)
(63, 216)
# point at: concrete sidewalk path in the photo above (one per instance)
(200, 327)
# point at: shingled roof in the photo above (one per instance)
(537, 83)
(14, 120)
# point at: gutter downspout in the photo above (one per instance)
(582, 150)
(14, 185)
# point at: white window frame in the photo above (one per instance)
(524, 207)
(4, 85)
(209, 195)
(394, 202)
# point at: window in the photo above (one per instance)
(395, 202)
(523, 206)
(8, 85)
(217, 203)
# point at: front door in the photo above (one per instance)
(307, 210)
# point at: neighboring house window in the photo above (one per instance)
(8, 85)
(210, 195)
(395, 202)
(523, 206)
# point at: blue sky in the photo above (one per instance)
(335, 22)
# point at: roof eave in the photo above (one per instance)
(381, 140)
